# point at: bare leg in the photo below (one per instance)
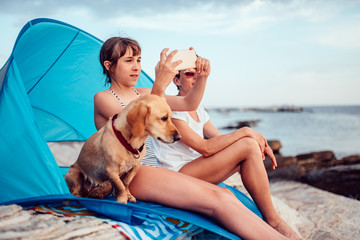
(255, 179)
(243, 156)
(182, 191)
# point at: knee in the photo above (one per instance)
(219, 199)
(249, 147)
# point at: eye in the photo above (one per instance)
(164, 118)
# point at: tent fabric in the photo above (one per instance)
(46, 94)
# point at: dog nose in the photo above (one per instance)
(176, 137)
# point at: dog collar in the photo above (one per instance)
(120, 137)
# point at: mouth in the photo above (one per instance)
(159, 139)
(163, 141)
(134, 75)
(175, 137)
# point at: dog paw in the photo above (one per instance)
(76, 193)
(122, 199)
(131, 198)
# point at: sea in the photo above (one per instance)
(314, 128)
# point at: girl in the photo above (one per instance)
(120, 59)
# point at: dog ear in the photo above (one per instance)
(137, 116)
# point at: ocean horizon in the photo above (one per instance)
(314, 128)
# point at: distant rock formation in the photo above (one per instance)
(240, 124)
(275, 145)
(284, 108)
(321, 170)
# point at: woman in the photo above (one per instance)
(203, 152)
(120, 58)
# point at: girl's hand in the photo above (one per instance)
(165, 71)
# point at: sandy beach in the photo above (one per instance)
(313, 213)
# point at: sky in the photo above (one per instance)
(262, 53)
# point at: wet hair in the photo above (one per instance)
(113, 49)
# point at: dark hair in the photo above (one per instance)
(177, 76)
(113, 49)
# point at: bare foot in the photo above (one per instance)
(282, 227)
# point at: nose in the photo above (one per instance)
(136, 66)
(176, 137)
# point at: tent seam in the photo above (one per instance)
(54, 62)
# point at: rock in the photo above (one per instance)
(349, 160)
(342, 179)
(323, 155)
(323, 215)
(313, 213)
(315, 160)
(320, 169)
(275, 145)
(240, 124)
(282, 162)
(290, 173)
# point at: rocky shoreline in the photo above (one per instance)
(313, 213)
(283, 108)
(319, 169)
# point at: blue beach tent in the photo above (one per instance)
(46, 95)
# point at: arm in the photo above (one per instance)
(103, 109)
(218, 141)
(165, 73)
(192, 100)
(207, 147)
(210, 131)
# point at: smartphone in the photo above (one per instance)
(188, 58)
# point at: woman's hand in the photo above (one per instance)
(202, 67)
(249, 132)
(164, 72)
(269, 152)
(263, 144)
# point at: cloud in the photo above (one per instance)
(205, 16)
(109, 8)
(231, 17)
(345, 36)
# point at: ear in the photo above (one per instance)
(177, 82)
(107, 65)
(137, 116)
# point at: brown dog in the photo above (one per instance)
(110, 158)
